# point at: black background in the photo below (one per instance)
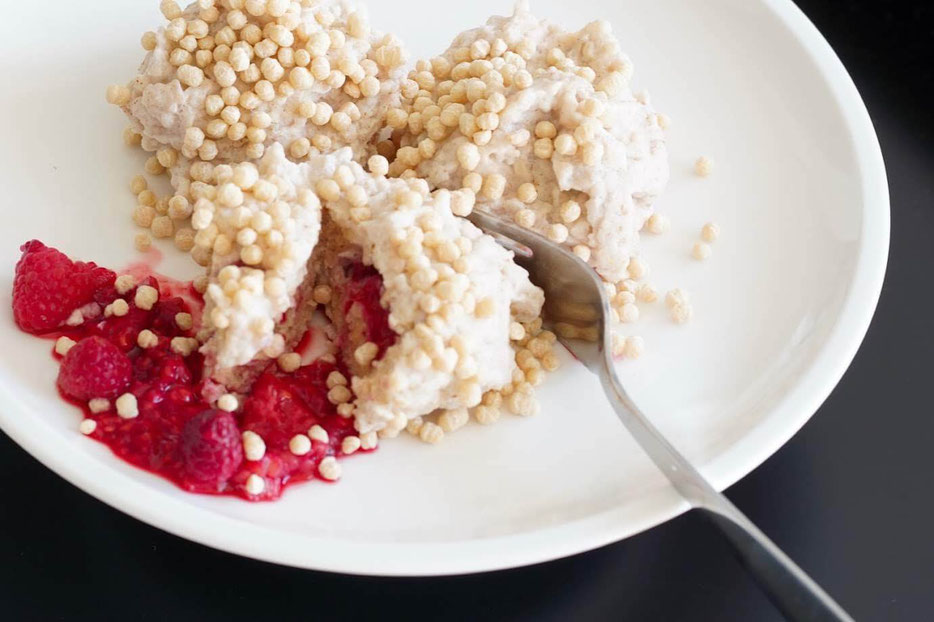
(849, 498)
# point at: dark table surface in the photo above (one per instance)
(849, 498)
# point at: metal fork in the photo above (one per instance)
(575, 295)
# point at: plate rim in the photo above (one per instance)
(129, 495)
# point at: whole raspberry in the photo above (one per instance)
(211, 450)
(94, 367)
(49, 286)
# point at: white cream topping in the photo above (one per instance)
(564, 123)
(271, 220)
(452, 293)
(325, 56)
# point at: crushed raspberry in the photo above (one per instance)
(94, 368)
(49, 286)
(278, 409)
(362, 297)
(281, 406)
(211, 450)
(177, 433)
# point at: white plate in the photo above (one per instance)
(799, 191)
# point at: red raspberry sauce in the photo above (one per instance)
(169, 391)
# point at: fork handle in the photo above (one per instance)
(792, 591)
(789, 588)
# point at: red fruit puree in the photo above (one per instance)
(177, 433)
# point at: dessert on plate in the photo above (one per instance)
(324, 188)
(224, 80)
(417, 295)
(542, 125)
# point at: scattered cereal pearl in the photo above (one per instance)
(350, 445)
(675, 297)
(524, 218)
(318, 434)
(149, 41)
(335, 378)
(473, 182)
(124, 283)
(146, 297)
(170, 9)
(118, 95)
(623, 298)
(629, 313)
(339, 395)
(299, 445)
(522, 404)
(657, 224)
(147, 339)
(365, 353)
(565, 145)
(228, 402)
(322, 294)
(63, 345)
(184, 321)
(162, 227)
(543, 148)
(289, 362)
(557, 233)
(99, 405)
(647, 293)
(681, 313)
(142, 242)
(545, 129)
(153, 167)
(329, 469)
(637, 268)
(486, 307)
(468, 156)
(527, 193)
(701, 251)
(119, 307)
(582, 251)
(453, 420)
(87, 426)
(703, 167)
(710, 232)
(143, 215)
(550, 361)
(592, 154)
(146, 197)
(486, 415)
(127, 407)
(254, 447)
(138, 184)
(328, 190)
(633, 347)
(430, 433)
(378, 165)
(200, 283)
(255, 484)
(369, 440)
(493, 186)
(570, 212)
(183, 346)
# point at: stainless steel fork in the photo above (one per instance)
(575, 295)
